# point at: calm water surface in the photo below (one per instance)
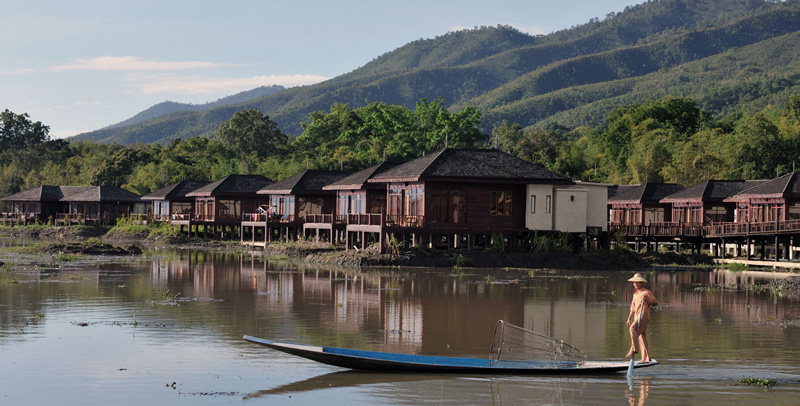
(167, 330)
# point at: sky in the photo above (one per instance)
(81, 65)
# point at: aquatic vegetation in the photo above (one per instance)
(460, 260)
(762, 382)
(497, 243)
(62, 256)
(737, 267)
(708, 288)
(393, 245)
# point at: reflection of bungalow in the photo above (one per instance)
(171, 202)
(42, 203)
(291, 200)
(769, 201)
(456, 194)
(101, 205)
(640, 205)
(705, 203)
(354, 197)
(220, 204)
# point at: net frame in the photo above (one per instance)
(514, 343)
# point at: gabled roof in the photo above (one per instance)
(45, 193)
(711, 191)
(309, 181)
(232, 185)
(176, 190)
(619, 189)
(359, 179)
(100, 194)
(786, 186)
(477, 165)
(645, 193)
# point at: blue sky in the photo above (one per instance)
(81, 65)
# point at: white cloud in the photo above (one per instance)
(154, 84)
(133, 63)
(17, 72)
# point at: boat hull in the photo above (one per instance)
(392, 362)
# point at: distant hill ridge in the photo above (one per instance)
(169, 107)
(709, 50)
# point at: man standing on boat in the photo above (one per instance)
(639, 317)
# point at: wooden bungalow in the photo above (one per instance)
(456, 196)
(290, 202)
(768, 201)
(356, 199)
(171, 203)
(42, 204)
(219, 205)
(704, 203)
(640, 205)
(101, 205)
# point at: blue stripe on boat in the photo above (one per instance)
(448, 361)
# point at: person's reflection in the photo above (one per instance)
(641, 399)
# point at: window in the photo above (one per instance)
(448, 206)
(500, 203)
(548, 204)
(533, 204)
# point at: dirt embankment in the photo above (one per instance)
(477, 258)
(92, 248)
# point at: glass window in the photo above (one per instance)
(548, 204)
(500, 203)
(533, 204)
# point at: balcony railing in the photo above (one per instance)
(405, 221)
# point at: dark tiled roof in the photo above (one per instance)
(233, 185)
(176, 190)
(482, 165)
(359, 179)
(103, 194)
(645, 193)
(307, 182)
(45, 193)
(711, 190)
(618, 189)
(784, 186)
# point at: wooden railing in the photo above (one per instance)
(366, 219)
(319, 218)
(405, 221)
(727, 229)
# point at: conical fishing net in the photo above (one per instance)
(514, 343)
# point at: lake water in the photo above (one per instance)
(167, 330)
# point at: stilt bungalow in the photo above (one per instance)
(40, 204)
(356, 200)
(291, 201)
(219, 205)
(635, 206)
(455, 198)
(171, 203)
(101, 205)
(704, 204)
(766, 220)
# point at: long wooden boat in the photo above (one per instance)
(393, 362)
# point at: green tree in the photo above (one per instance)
(18, 132)
(251, 131)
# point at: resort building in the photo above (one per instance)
(72, 204)
(291, 201)
(219, 206)
(171, 203)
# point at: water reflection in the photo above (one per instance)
(713, 328)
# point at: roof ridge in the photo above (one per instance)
(438, 154)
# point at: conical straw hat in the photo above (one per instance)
(638, 278)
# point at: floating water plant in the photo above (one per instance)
(762, 382)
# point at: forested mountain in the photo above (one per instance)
(169, 107)
(721, 53)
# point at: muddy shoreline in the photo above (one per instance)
(324, 253)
